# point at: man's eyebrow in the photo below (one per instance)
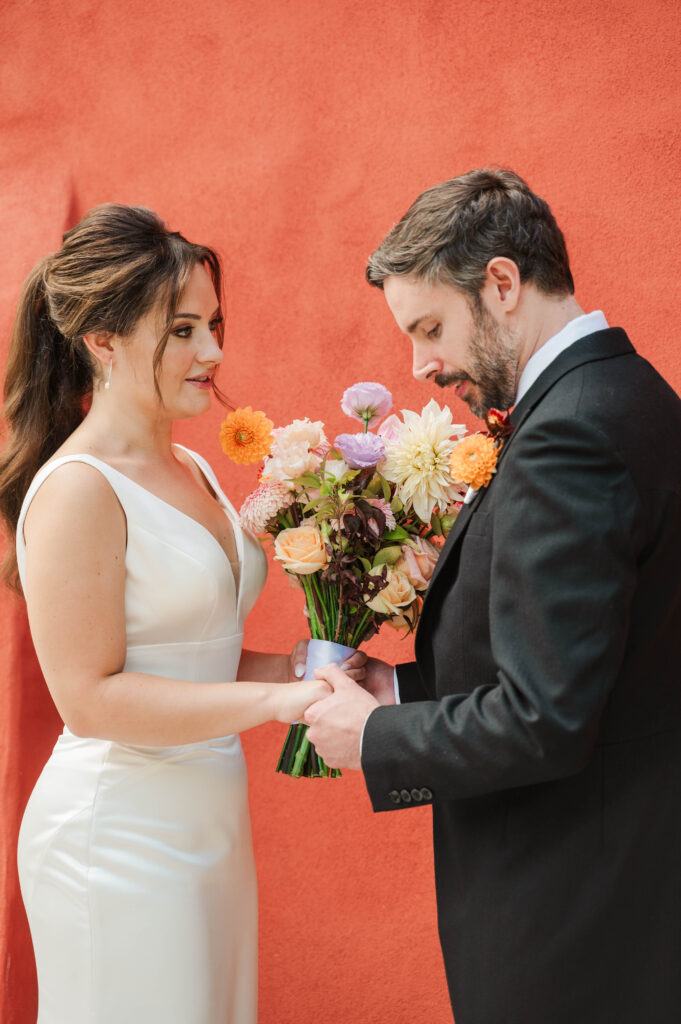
(412, 327)
(195, 316)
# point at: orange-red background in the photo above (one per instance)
(291, 135)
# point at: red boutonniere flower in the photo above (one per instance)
(474, 459)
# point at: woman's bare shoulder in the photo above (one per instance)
(75, 493)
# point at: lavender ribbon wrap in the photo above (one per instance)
(325, 652)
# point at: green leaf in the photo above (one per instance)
(386, 489)
(436, 525)
(396, 505)
(397, 534)
(308, 480)
(366, 564)
(387, 556)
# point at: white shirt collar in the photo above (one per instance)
(578, 328)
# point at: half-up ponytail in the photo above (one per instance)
(113, 267)
(46, 381)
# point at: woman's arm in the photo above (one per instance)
(75, 534)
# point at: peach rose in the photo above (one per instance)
(398, 594)
(418, 561)
(301, 550)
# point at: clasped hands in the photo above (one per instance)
(337, 720)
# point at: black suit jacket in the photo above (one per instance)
(542, 717)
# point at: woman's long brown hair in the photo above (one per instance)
(115, 266)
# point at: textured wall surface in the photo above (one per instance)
(291, 135)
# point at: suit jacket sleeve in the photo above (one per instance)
(563, 572)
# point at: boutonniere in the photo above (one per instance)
(474, 459)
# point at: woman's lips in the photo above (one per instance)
(203, 383)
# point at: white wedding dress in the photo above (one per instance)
(136, 863)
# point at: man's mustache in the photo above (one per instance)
(445, 380)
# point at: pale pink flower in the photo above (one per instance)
(263, 504)
(367, 402)
(417, 561)
(292, 461)
(389, 429)
(299, 432)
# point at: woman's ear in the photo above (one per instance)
(100, 346)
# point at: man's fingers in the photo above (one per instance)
(356, 660)
(313, 712)
(336, 677)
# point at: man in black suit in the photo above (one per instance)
(542, 716)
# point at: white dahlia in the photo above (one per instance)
(417, 458)
(263, 504)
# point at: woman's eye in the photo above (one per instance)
(434, 331)
(214, 324)
(184, 331)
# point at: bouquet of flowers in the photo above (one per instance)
(356, 525)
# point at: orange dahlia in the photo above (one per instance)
(474, 460)
(246, 436)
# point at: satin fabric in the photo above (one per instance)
(136, 863)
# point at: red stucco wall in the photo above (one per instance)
(291, 134)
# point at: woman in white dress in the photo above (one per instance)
(135, 854)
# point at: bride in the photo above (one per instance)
(135, 855)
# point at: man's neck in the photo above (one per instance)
(540, 317)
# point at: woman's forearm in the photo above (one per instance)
(132, 707)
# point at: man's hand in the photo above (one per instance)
(336, 722)
(379, 681)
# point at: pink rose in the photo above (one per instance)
(418, 561)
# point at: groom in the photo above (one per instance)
(542, 716)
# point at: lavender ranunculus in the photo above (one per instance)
(360, 451)
(367, 402)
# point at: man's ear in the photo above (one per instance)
(501, 290)
(99, 345)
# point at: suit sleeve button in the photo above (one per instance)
(394, 796)
(406, 796)
(416, 794)
(426, 793)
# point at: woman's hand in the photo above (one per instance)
(292, 701)
(355, 666)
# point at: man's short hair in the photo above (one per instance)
(452, 231)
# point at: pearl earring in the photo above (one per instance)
(107, 382)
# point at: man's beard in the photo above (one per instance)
(494, 364)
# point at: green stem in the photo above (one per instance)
(316, 631)
(357, 636)
(320, 597)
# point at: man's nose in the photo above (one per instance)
(423, 368)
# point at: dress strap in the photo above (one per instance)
(209, 473)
